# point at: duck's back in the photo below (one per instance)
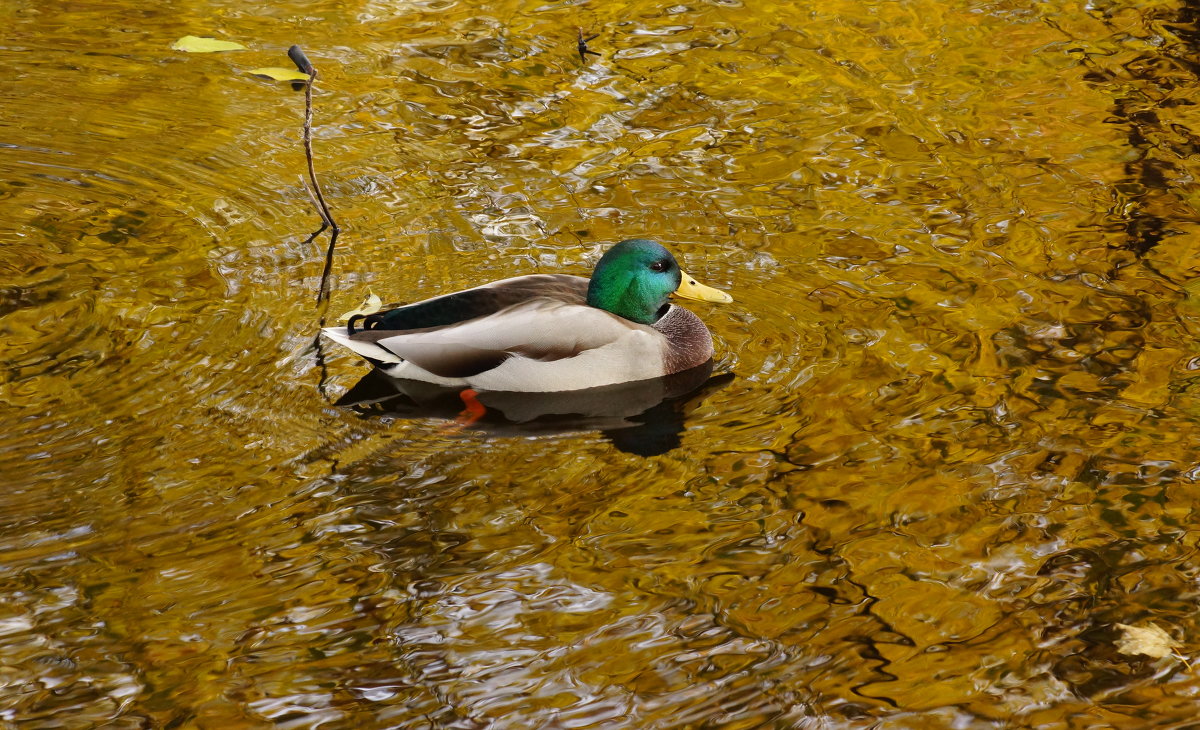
(461, 306)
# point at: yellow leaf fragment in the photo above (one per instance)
(195, 44)
(1150, 640)
(370, 305)
(280, 74)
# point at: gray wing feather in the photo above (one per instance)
(540, 329)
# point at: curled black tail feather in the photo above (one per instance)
(370, 321)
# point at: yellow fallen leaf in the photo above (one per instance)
(370, 305)
(195, 44)
(1149, 640)
(280, 74)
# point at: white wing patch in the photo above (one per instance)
(366, 349)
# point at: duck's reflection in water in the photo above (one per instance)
(644, 418)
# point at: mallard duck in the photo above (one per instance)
(546, 332)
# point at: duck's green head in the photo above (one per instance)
(634, 279)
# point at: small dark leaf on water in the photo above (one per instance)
(297, 55)
(582, 45)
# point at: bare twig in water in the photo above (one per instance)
(582, 45)
(301, 60)
(318, 198)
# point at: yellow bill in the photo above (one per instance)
(689, 288)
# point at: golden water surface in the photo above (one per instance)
(954, 445)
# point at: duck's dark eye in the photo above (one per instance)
(658, 266)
